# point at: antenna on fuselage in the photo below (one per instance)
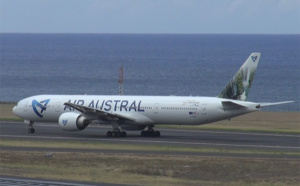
(121, 81)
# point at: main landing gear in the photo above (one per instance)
(150, 132)
(31, 129)
(116, 133)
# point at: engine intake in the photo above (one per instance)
(71, 121)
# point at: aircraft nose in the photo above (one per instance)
(15, 110)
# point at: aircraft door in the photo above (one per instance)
(203, 109)
(156, 108)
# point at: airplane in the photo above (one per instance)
(76, 112)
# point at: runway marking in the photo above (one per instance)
(151, 141)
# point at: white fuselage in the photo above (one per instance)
(76, 112)
(145, 109)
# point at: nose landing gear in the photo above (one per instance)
(31, 129)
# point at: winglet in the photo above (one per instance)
(239, 86)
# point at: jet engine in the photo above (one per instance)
(71, 121)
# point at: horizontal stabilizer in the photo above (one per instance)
(229, 105)
(276, 103)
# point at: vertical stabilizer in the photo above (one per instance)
(239, 86)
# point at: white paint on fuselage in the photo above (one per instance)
(159, 109)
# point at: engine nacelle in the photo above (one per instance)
(71, 121)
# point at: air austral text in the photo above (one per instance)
(109, 105)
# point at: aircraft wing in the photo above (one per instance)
(96, 114)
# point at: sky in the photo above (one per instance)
(151, 16)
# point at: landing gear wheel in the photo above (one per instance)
(144, 133)
(156, 133)
(31, 130)
(150, 133)
(116, 134)
(109, 134)
(123, 134)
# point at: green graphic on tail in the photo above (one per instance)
(239, 86)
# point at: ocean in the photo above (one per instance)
(154, 64)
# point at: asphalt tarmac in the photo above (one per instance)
(169, 137)
(14, 181)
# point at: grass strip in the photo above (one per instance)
(150, 169)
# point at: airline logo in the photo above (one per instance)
(39, 107)
(254, 58)
(109, 105)
(65, 122)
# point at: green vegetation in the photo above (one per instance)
(6, 112)
(132, 169)
(270, 122)
(150, 169)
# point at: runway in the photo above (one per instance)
(169, 137)
(14, 181)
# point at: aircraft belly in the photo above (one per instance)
(173, 117)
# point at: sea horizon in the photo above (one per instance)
(154, 64)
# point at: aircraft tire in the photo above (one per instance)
(151, 133)
(31, 130)
(109, 134)
(157, 133)
(123, 134)
(116, 134)
(143, 133)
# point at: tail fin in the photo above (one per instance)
(239, 86)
